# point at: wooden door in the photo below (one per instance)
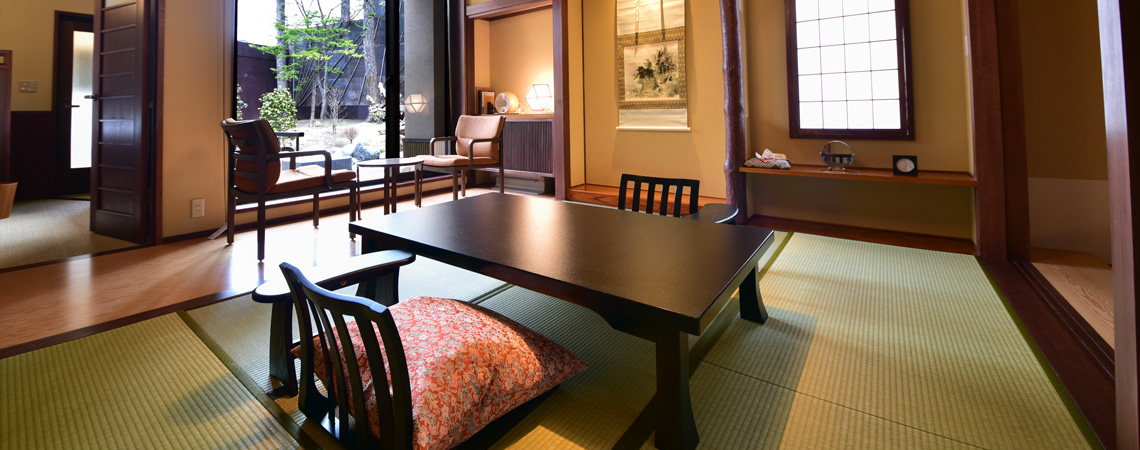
(122, 171)
(73, 115)
(5, 113)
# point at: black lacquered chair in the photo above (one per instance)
(677, 188)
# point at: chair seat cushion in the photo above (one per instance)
(306, 177)
(468, 366)
(456, 161)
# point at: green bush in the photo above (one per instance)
(278, 107)
(239, 104)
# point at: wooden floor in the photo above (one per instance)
(48, 304)
(1084, 280)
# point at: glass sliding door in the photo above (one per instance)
(333, 74)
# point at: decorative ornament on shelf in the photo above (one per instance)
(506, 103)
(837, 155)
(540, 99)
(906, 165)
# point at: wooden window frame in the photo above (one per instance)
(906, 88)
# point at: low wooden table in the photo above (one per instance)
(391, 169)
(656, 277)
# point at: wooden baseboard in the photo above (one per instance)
(1088, 381)
(899, 238)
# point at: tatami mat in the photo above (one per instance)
(594, 408)
(148, 385)
(914, 337)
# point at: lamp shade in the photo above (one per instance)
(416, 103)
(539, 98)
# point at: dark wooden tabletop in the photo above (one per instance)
(624, 265)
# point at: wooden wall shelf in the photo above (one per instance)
(871, 174)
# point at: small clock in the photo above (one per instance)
(906, 165)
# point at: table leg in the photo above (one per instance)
(387, 190)
(419, 184)
(676, 428)
(280, 338)
(751, 304)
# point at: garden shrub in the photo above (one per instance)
(278, 107)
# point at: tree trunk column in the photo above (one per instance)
(735, 128)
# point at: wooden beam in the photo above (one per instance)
(735, 128)
(985, 88)
(494, 9)
(560, 126)
(1120, 63)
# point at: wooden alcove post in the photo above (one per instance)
(734, 125)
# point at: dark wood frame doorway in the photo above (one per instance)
(1104, 384)
(67, 180)
(463, 58)
(5, 114)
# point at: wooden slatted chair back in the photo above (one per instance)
(393, 404)
(676, 186)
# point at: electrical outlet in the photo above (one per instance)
(197, 208)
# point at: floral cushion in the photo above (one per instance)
(468, 367)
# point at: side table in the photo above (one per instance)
(391, 169)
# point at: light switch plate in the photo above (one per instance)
(28, 87)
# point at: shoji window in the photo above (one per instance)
(849, 73)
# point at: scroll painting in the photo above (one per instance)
(651, 80)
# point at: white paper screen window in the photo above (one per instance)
(848, 64)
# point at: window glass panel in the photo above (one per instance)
(880, 5)
(811, 89)
(884, 55)
(807, 10)
(854, 7)
(811, 115)
(859, 86)
(886, 114)
(835, 114)
(860, 115)
(808, 61)
(831, 59)
(82, 82)
(882, 25)
(830, 8)
(835, 86)
(831, 31)
(855, 29)
(807, 34)
(885, 84)
(858, 57)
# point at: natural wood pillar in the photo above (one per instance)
(1120, 69)
(734, 125)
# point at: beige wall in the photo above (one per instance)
(1064, 126)
(942, 128)
(522, 52)
(695, 154)
(482, 53)
(195, 87)
(28, 29)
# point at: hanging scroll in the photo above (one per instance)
(652, 91)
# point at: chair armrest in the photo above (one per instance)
(431, 143)
(325, 153)
(336, 275)
(716, 213)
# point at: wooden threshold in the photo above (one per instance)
(878, 236)
(1086, 379)
(1083, 281)
(608, 196)
(871, 174)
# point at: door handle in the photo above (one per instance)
(76, 106)
(91, 97)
